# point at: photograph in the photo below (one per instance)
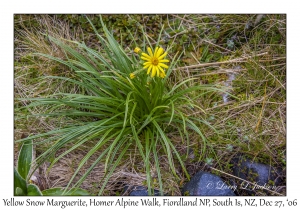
(157, 104)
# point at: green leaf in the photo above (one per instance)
(25, 159)
(19, 191)
(59, 191)
(147, 161)
(33, 190)
(113, 167)
(157, 167)
(166, 144)
(20, 183)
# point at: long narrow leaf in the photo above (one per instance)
(25, 158)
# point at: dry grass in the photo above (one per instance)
(253, 123)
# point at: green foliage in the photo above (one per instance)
(24, 188)
(20, 186)
(33, 190)
(25, 159)
(135, 112)
(21, 173)
(253, 123)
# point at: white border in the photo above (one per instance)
(8, 8)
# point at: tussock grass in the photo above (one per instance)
(252, 122)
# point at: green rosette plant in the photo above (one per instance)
(124, 104)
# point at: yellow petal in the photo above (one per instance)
(155, 51)
(159, 52)
(160, 68)
(162, 74)
(163, 65)
(149, 69)
(137, 50)
(153, 71)
(144, 58)
(132, 75)
(150, 51)
(146, 55)
(162, 56)
(146, 66)
(157, 71)
(146, 63)
(164, 61)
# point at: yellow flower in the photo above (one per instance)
(137, 50)
(132, 75)
(155, 62)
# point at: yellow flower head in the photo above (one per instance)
(132, 75)
(137, 50)
(155, 62)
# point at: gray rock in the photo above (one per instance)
(256, 173)
(139, 191)
(258, 19)
(207, 184)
